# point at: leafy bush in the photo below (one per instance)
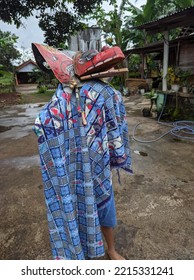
(42, 89)
(6, 78)
(116, 83)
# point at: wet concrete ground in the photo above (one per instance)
(155, 206)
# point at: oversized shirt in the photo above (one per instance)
(76, 162)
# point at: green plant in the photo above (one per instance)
(151, 94)
(116, 83)
(173, 75)
(42, 89)
(184, 75)
(6, 78)
(134, 61)
(176, 75)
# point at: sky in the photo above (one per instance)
(31, 33)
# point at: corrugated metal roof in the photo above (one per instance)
(184, 17)
(158, 46)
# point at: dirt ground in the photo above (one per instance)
(9, 99)
(155, 206)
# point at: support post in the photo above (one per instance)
(165, 60)
(142, 66)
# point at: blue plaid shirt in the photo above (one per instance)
(76, 162)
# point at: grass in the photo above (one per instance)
(7, 93)
(6, 82)
(36, 97)
(6, 78)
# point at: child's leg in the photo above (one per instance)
(107, 218)
(108, 233)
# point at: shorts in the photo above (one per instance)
(107, 215)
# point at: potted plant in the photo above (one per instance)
(153, 107)
(173, 78)
(184, 75)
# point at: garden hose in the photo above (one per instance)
(182, 129)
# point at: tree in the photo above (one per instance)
(57, 31)
(111, 22)
(118, 24)
(156, 8)
(57, 18)
(114, 24)
(152, 10)
(8, 52)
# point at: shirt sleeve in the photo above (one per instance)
(117, 131)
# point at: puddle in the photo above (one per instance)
(17, 132)
(22, 162)
(17, 121)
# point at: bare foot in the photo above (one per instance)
(114, 255)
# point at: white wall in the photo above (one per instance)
(28, 68)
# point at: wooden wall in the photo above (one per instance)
(186, 56)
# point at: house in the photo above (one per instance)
(180, 51)
(23, 72)
(177, 52)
